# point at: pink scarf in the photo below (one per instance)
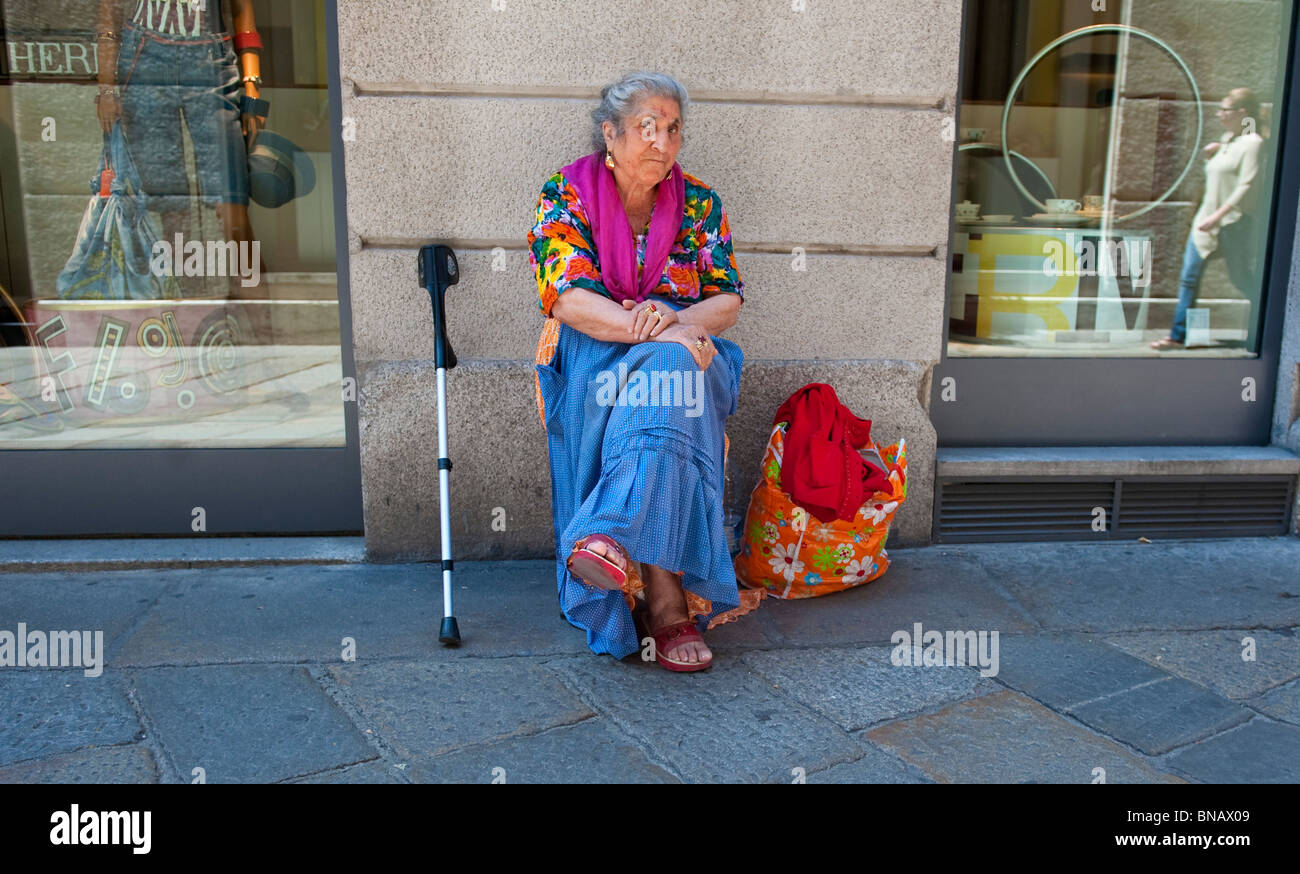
(615, 243)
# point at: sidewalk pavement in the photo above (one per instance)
(1122, 662)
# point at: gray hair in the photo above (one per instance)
(617, 101)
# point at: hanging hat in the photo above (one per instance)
(278, 171)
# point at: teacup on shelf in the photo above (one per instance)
(1063, 205)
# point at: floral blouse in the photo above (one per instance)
(700, 262)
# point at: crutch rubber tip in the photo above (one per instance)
(449, 633)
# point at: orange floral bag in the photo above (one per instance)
(790, 553)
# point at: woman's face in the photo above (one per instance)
(645, 152)
(1230, 116)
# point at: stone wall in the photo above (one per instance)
(822, 128)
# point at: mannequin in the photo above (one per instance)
(161, 61)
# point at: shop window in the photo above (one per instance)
(1129, 201)
(162, 285)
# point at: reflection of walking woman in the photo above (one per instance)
(171, 57)
(1223, 224)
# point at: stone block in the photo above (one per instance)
(407, 148)
(882, 51)
(423, 710)
(588, 752)
(839, 307)
(725, 724)
(1259, 752)
(246, 723)
(1006, 738)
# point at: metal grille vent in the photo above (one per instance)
(1013, 508)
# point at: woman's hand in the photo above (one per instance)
(1213, 219)
(646, 326)
(1211, 149)
(251, 126)
(688, 336)
(109, 109)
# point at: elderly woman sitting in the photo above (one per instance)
(637, 279)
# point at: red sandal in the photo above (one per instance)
(673, 636)
(594, 569)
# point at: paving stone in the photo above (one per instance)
(1007, 738)
(856, 688)
(107, 601)
(424, 709)
(753, 630)
(47, 712)
(302, 613)
(930, 586)
(725, 724)
(1261, 751)
(877, 766)
(1214, 658)
(1066, 670)
(1132, 587)
(589, 752)
(246, 723)
(119, 764)
(1162, 715)
(366, 772)
(1281, 703)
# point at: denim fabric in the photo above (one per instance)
(165, 78)
(1236, 245)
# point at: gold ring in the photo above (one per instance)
(699, 343)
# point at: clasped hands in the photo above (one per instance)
(656, 323)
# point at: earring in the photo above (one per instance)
(609, 159)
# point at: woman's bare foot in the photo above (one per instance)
(666, 603)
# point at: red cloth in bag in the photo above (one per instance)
(822, 470)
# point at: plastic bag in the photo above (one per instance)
(790, 553)
(111, 259)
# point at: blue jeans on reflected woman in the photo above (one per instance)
(1236, 242)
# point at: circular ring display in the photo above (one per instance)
(1051, 186)
(1091, 30)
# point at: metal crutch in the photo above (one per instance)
(438, 269)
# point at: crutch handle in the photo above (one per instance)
(438, 269)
